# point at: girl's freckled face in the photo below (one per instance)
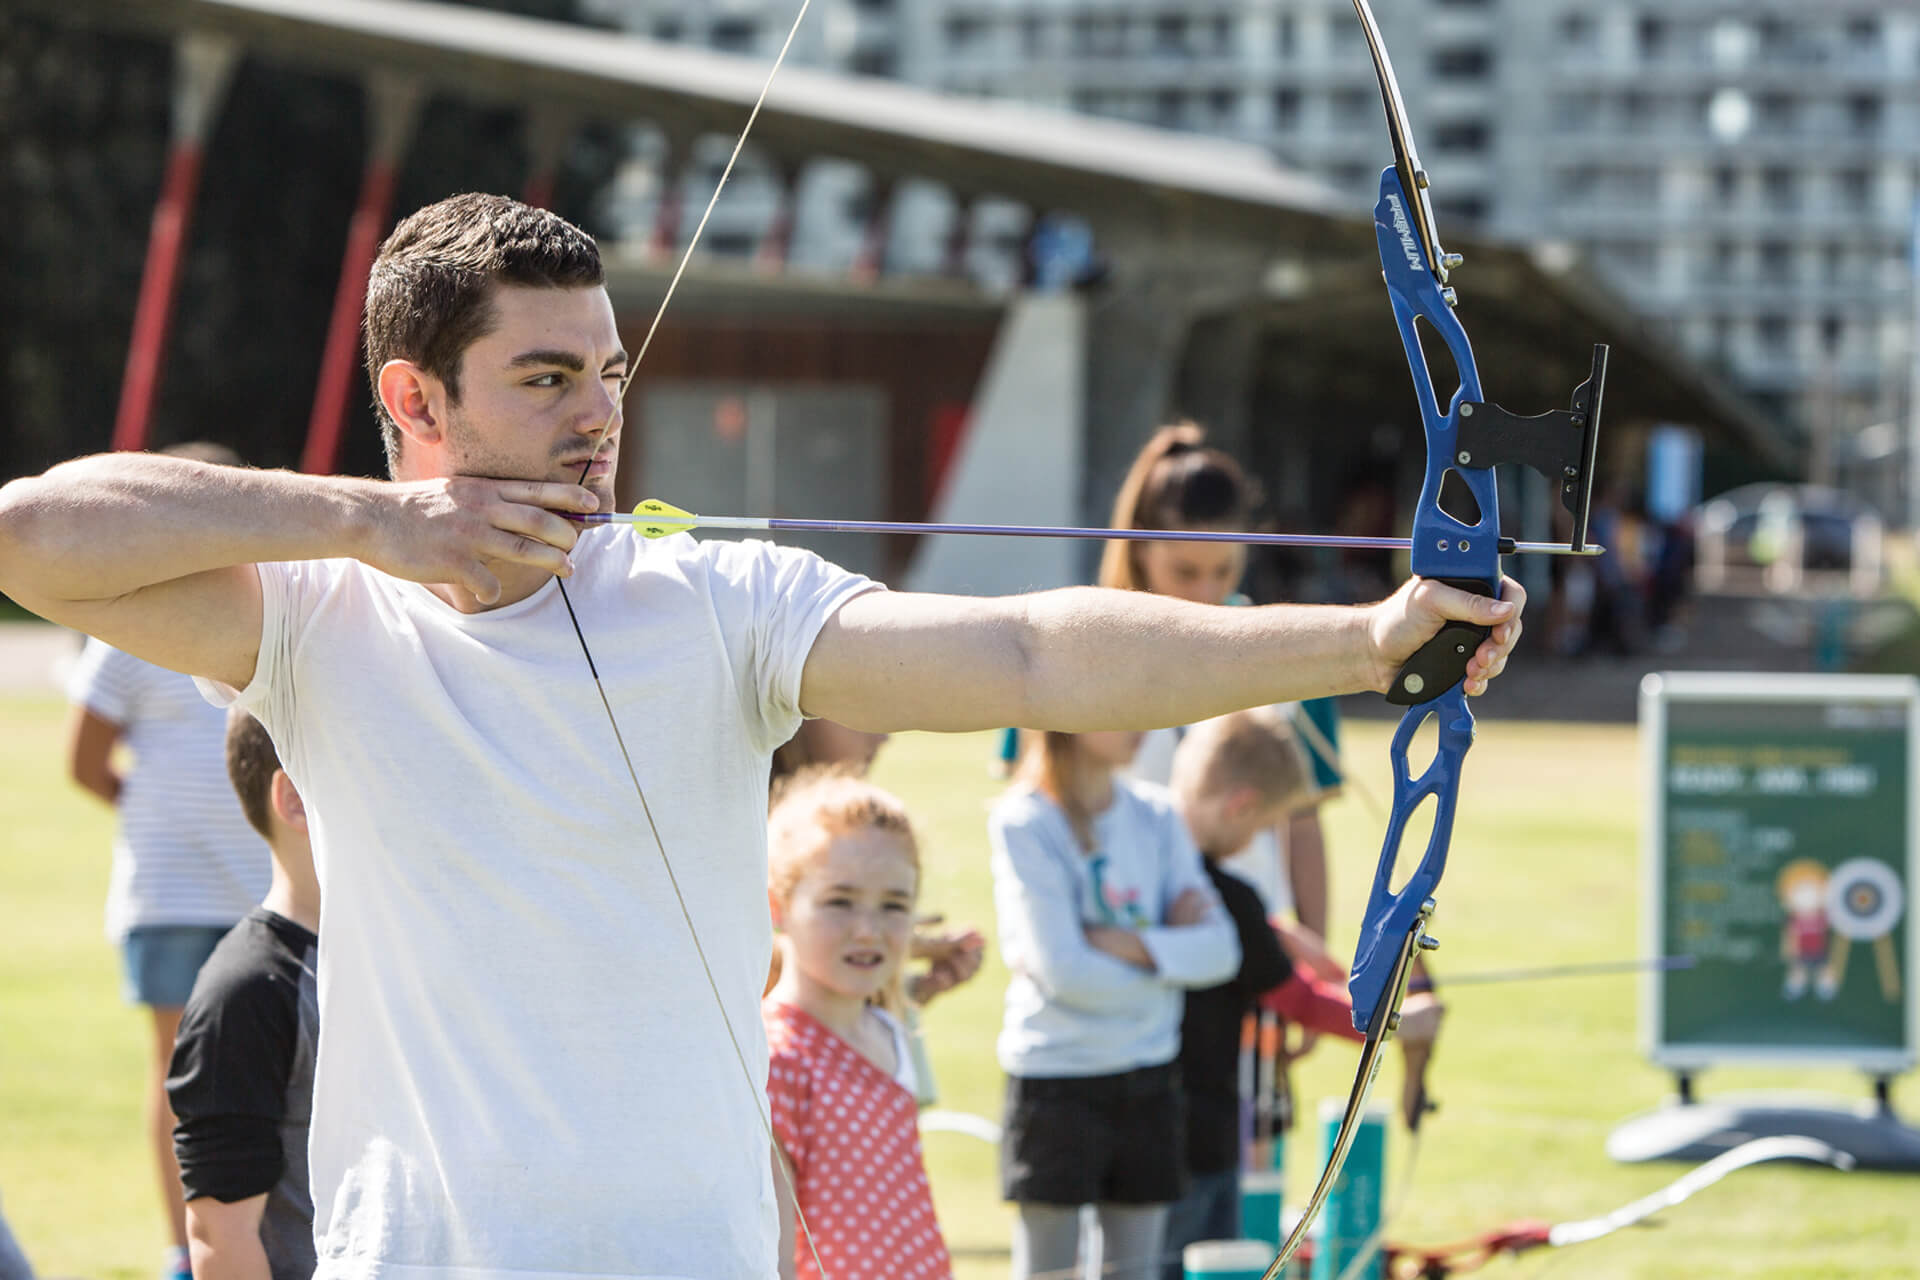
(849, 918)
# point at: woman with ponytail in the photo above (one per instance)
(1178, 482)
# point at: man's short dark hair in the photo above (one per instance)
(251, 764)
(430, 294)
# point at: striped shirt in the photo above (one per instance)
(184, 854)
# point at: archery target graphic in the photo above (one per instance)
(1865, 900)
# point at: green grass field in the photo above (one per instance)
(1530, 1077)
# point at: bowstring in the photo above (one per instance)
(760, 1108)
(1377, 1239)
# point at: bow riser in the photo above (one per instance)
(1392, 918)
(1463, 552)
(1444, 544)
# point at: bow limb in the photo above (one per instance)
(1758, 1151)
(752, 1086)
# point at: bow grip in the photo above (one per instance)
(1441, 662)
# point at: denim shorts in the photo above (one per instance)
(158, 962)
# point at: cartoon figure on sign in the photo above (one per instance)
(1864, 902)
(1802, 890)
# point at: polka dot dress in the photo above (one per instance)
(853, 1136)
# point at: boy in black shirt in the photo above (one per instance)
(1233, 777)
(241, 1081)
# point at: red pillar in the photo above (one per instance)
(666, 215)
(393, 104)
(777, 244)
(872, 257)
(202, 68)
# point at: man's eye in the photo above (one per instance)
(545, 380)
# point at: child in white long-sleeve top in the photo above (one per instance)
(1106, 918)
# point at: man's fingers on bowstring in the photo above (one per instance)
(533, 522)
(521, 548)
(570, 498)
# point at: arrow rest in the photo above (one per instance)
(1561, 445)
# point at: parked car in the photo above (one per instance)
(1787, 538)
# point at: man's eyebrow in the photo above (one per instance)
(547, 357)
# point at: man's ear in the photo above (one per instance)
(286, 801)
(414, 399)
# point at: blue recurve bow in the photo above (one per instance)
(1456, 539)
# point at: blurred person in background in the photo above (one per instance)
(13, 1260)
(1107, 918)
(186, 866)
(1177, 482)
(241, 1080)
(1234, 777)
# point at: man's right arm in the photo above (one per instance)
(154, 555)
(223, 1240)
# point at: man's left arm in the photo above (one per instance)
(1088, 658)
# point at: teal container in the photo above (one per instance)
(1227, 1259)
(1261, 1199)
(1353, 1209)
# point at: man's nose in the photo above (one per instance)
(603, 409)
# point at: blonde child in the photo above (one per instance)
(1233, 778)
(843, 874)
(1106, 918)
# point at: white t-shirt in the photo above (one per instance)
(522, 1068)
(1262, 864)
(183, 853)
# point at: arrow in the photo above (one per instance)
(656, 519)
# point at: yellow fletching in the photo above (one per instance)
(670, 519)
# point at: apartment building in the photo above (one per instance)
(1745, 174)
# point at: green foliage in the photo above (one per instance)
(1530, 1076)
